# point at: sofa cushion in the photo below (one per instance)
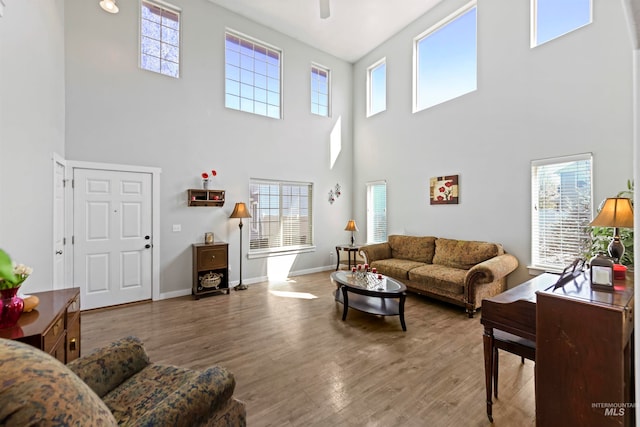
(107, 367)
(38, 390)
(163, 395)
(414, 248)
(464, 254)
(396, 268)
(439, 276)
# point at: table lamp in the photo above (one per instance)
(240, 211)
(351, 226)
(616, 212)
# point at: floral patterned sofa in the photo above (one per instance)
(461, 272)
(115, 385)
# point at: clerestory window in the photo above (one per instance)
(252, 76)
(160, 38)
(445, 59)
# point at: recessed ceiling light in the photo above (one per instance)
(109, 6)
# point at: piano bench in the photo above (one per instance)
(513, 344)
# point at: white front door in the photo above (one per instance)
(59, 226)
(112, 236)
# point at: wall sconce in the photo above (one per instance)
(332, 198)
(109, 6)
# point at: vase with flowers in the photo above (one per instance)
(11, 278)
(205, 178)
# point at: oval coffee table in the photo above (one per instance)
(384, 298)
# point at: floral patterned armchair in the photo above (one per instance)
(114, 385)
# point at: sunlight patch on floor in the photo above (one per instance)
(299, 295)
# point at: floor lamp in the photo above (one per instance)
(240, 211)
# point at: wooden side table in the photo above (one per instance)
(349, 249)
(53, 326)
(210, 260)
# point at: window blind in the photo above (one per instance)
(561, 208)
(377, 212)
(281, 216)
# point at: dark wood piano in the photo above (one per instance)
(584, 347)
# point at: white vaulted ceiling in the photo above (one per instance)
(353, 29)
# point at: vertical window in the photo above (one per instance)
(561, 209)
(377, 87)
(252, 76)
(160, 39)
(320, 85)
(551, 19)
(281, 216)
(376, 212)
(445, 60)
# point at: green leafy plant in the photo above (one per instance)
(601, 236)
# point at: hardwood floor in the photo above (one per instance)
(297, 363)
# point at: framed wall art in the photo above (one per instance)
(444, 190)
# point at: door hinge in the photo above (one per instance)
(64, 241)
(73, 240)
(73, 183)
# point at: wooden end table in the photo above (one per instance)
(349, 248)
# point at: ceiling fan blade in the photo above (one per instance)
(324, 9)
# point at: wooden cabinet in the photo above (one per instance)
(210, 268)
(53, 326)
(205, 197)
(584, 350)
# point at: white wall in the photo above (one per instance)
(118, 113)
(32, 127)
(571, 95)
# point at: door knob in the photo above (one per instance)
(58, 252)
(147, 246)
(147, 237)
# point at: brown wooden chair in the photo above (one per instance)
(513, 344)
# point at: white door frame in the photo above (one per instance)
(58, 159)
(155, 211)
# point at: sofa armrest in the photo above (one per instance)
(375, 252)
(194, 402)
(491, 270)
(106, 368)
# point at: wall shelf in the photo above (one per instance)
(205, 197)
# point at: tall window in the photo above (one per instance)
(320, 84)
(561, 209)
(445, 60)
(160, 38)
(377, 87)
(376, 212)
(551, 19)
(281, 216)
(252, 76)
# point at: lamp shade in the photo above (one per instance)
(109, 6)
(351, 226)
(240, 211)
(616, 212)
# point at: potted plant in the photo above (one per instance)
(11, 277)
